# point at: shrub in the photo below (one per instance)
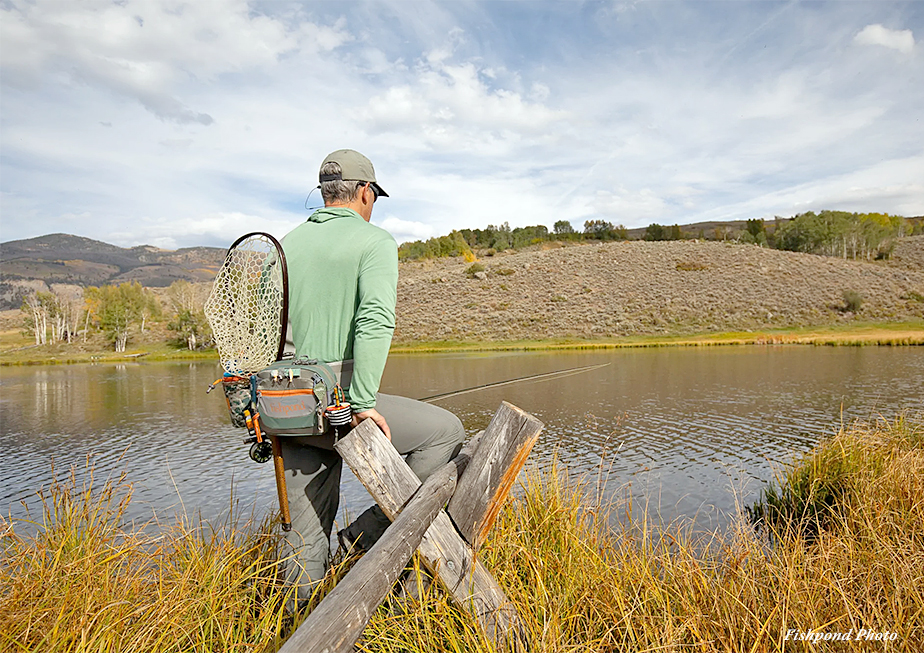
(852, 301)
(691, 266)
(473, 268)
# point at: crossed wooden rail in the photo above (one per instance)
(446, 539)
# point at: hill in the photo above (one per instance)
(37, 263)
(577, 290)
(615, 289)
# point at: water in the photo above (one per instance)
(688, 432)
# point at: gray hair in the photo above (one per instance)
(338, 192)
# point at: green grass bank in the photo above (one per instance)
(853, 334)
(839, 549)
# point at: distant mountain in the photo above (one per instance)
(65, 259)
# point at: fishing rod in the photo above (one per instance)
(544, 375)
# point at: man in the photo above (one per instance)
(343, 276)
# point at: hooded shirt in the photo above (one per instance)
(343, 279)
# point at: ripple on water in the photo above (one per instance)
(684, 431)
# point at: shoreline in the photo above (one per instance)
(895, 334)
(909, 333)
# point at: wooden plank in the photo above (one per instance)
(446, 555)
(491, 474)
(338, 621)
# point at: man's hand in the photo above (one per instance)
(376, 417)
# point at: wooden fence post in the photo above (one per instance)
(493, 459)
(446, 555)
(336, 624)
(502, 452)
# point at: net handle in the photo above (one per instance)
(284, 316)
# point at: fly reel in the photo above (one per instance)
(260, 452)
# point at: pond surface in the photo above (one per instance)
(686, 431)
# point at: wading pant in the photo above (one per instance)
(427, 435)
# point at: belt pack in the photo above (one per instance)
(298, 396)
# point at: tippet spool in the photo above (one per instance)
(339, 415)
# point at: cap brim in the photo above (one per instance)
(379, 189)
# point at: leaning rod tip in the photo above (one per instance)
(547, 375)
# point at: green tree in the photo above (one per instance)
(192, 329)
(563, 228)
(843, 234)
(755, 232)
(654, 231)
(120, 307)
(598, 229)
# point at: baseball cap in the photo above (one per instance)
(354, 167)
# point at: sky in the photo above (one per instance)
(178, 124)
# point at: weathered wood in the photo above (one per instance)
(502, 452)
(338, 621)
(391, 482)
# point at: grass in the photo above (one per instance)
(822, 489)
(83, 583)
(16, 350)
(909, 332)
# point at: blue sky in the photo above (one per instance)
(189, 123)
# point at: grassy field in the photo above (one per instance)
(839, 548)
(15, 349)
(853, 334)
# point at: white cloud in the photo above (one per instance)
(452, 106)
(901, 40)
(149, 50)
(470, 117)
(404, 230)
(217, 229)
(624, 206)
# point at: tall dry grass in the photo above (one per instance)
(855, 561)
(581, 585)
(81, 582)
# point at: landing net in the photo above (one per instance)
(247, 306)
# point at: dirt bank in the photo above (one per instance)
(631, 288)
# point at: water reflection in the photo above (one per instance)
(683, 429)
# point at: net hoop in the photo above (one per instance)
(248, 307)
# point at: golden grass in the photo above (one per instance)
(581, 577)
(857, 334)
(17, 350)
(83, 583)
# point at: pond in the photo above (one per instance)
(685, 431)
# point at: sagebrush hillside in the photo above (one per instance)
(635, 287)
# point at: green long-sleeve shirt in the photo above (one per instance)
(343, 278)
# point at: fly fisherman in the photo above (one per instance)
(343, 276)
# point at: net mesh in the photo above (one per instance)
(244, 308)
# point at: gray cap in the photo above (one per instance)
(354, 167)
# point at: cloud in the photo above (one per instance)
(622, 205)
(901, 40)
(459, 106)
(212, 229)
(474, 114)
(405, 230)
(151, 51)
